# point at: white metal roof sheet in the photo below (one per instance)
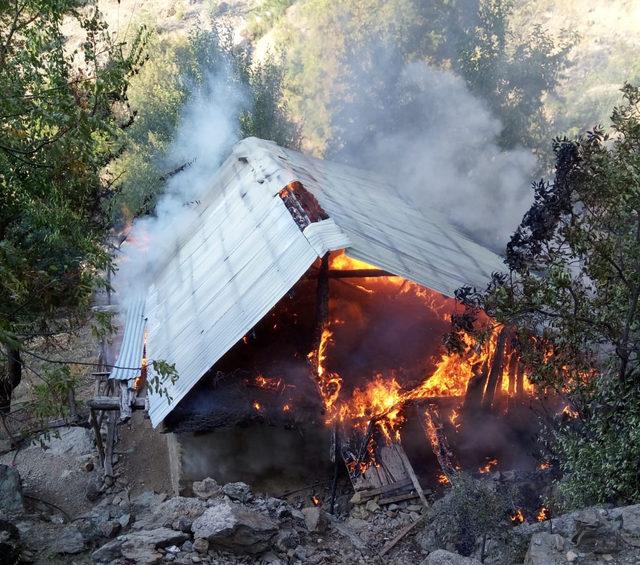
(130, 354)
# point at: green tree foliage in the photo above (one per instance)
(346, 61)
(61, 116)
(178, 67)
(573, 292)
(471, 510)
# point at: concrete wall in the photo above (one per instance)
(270, 459)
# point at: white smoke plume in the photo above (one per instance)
(207, 130)
(439, 145)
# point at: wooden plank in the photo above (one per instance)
(398, 498)
(113, 403)
(392, 543)
(412, 474)
(386, 488)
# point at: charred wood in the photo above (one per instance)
(475, 390)
(495, 375)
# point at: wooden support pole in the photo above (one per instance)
(112, 420)
(358, 274)
(495, 375)
(96, 431)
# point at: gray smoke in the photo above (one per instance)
(438, 142)
(207, 131)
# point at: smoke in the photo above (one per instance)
(434, 140)
(207, 130)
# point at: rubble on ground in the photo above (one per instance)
(230, 524)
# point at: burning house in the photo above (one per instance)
(303, 310)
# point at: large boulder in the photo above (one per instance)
(11, 500)
(139, 546)
(169, 511)
(443, 557)
(74, 440)
(70, 540)
(235, 528)
(546, 549)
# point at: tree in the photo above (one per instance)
(345, 64)
(179, 67)
(572, 292)
(61, 116)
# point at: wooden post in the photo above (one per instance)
(495, 375)
(96, 431)
(475, 389)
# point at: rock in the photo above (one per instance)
(372, 506)
(235, 528)
(571, 556)
(200, 545)
(315, 519)
(443, 557)
(110, 528)
(9, 543)
(593, 534)
(182, 524)
(356, 498)
(124, 520)
(207, 488)
(70, 540)
(287, 539)
(69, 441)
(546, 549)
(166, 513)
(11, 500)
(271, 558)
(187, 546)
(238, 491)
(139, 546)
(141, 554)
(88, 466)
(94, 489)
(145, 502)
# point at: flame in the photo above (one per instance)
(269, 383)
(139, 381)
(380, 400)
(517, 517)
(257, 406)
(454, 418)
(443, 479)
(329, 384)
(286, 408)
(315, 500)
(570, 412)
(543, 514)
(544, 466)
(488, 466)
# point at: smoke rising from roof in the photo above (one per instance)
(208, 129)
(424, 129)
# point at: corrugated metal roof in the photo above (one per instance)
(244, 251)
(130, 354)
(385, 227)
